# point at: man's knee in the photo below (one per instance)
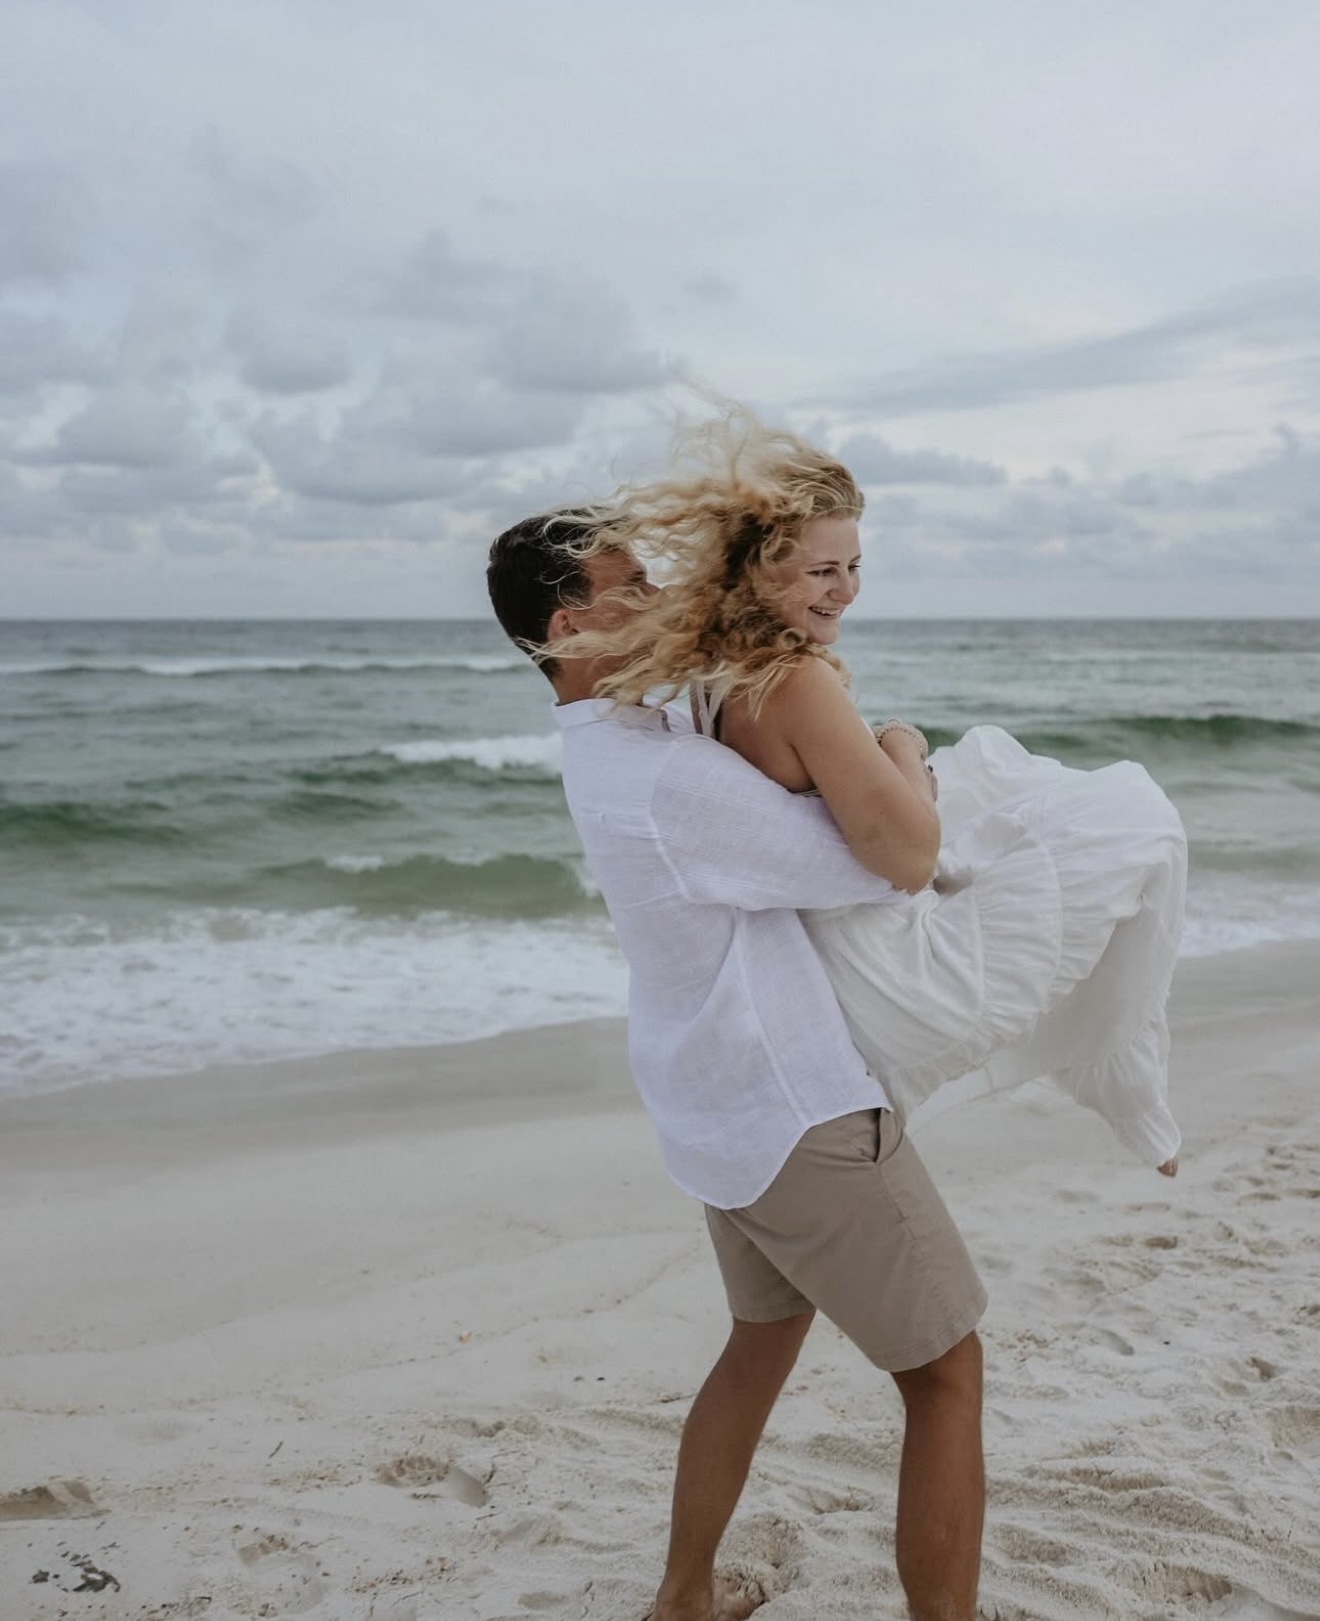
(955, 1376)
(766, 1350)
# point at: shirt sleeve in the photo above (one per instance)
(732, 837)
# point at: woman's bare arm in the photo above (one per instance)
(879, 796)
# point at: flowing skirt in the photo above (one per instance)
(1044, 947)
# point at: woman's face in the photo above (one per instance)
(822, 577)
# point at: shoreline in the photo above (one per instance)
(368, 1084)
(546, 1071)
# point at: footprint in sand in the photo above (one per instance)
(416, 1471)
(261, 1548)
(1176, 1584)
(278, 1572)
(1296, 1430)
(1091, 1333)
(762, 1554)
(60, 1500)
(825, 1500)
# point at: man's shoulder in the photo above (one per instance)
(615, 765)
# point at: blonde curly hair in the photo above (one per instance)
(722, 523)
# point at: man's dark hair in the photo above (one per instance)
(535, 568)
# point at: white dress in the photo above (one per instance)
(1044, 946)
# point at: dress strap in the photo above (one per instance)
(706, 701)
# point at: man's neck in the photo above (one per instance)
(574, 682)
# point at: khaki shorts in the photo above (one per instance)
(853, 1227)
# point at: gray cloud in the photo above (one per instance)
(247, 205)
(359, 469)
(573, 338)
(1257, 522)
(557, 334)
(278, 353)
(436, 284)
(1284, 480)
(1287, 478)
(164, 333)
(128, 425)
(1271, 316)
(39, 350)
(453, 418)
(426, 432)
(43, 219)
(190, 535)
(148, 493)
(711, 290)
(873, 460)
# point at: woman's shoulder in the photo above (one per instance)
(808, 682)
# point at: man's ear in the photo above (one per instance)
(560, 625)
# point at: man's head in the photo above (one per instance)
(543, 588)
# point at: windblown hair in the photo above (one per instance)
(721, 524)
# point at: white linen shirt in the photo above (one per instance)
(735, 1039)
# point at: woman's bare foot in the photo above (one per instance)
(727, 1603)
(1170, 1167)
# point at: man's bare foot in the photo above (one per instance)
(727, 1603)
(1170, 1167)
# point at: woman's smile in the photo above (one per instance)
(822, 578)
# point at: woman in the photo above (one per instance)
(1043, 905)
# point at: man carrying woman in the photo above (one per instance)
(766, 1112)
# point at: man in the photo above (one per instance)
(815, 1200)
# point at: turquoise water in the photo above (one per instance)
(258, 839)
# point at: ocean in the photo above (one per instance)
(238, 841)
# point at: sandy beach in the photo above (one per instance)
(410, 1337)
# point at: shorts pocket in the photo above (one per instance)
(889, 1135)
(876, 1134)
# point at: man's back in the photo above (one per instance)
(736, 1039)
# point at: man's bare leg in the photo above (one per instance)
(941, 1485)
(714, 1457)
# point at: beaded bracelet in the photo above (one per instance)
(903, 726)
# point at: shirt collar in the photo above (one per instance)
(588, 710)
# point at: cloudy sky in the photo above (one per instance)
(302, 301)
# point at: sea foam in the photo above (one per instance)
(490, 753)
(185, 668)
(87, 1000)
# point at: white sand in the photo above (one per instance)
(411, 1336)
